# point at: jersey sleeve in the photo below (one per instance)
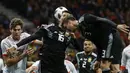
(87, 21)
(38, 34)
(90, 19)
(4, 46)
(26, 34)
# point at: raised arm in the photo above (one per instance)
(87, 19)
(40, 33)
(9, 61)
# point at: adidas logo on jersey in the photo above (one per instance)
(111, 57)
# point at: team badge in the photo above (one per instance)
(89, 59)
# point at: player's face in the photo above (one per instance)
(71, 25)
(16, 32)
(88, 46)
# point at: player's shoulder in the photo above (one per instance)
(49, 27)
(94, 54)
(80, 53)
(25, 34)
(46, 26)
(81, 19)
(6, 39)
(126, 48)
(67, 61)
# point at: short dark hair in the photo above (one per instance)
(16, 21)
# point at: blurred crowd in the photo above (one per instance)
(41, 11)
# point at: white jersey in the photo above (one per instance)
(70, 66)
(36, 66)
(125, 61)
(7, 43)
(36, 63)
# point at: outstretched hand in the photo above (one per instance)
(30, 51)
(12, 52)
(123, 27)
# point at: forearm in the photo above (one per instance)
(107, 21)
(90, 19)
(11, 61)
(27, 40)
(40, 33)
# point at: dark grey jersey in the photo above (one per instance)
(55, 43)
(85, 62)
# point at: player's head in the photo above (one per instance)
(69, 22)
(16, 26)
(88, 46)
(58, 12)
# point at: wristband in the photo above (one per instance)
(122, 67)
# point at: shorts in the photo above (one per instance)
(48, 71)
(114, 49)
(115, 57)
(45, 69)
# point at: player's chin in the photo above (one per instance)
(87, 51)
(74, 29)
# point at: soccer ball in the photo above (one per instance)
(58, 12)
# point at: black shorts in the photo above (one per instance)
(114, 49)
(54, 69)
(115, 57)
(48, 71)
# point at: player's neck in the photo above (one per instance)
(87, 53)
(15, 39)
